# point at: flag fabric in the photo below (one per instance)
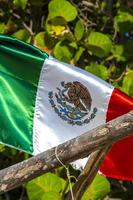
(45, 102)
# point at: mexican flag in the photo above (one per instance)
(45, 102)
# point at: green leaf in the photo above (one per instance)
(124, 22)
(99, 44)
(78, 54)
(98, 69)
(20, 3)
(73, 44)
(117, 52)
(99, 188)
(55, 26)
(57, 21)
(51, 196)
(79, 30)
(127, 85)
(22, 34)
(2, 28)
(47, 183)
(40, 39)
(63, 52)
(62, 8)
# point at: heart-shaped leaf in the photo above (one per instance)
(99, 44)
(47, 183)
(62, 8)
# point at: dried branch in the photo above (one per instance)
(88, 174)
(28, 28)
(69, 151)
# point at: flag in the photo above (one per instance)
(45, 102)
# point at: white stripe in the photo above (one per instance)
(50, 129)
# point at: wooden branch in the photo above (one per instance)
(69, 151)
(88, 174)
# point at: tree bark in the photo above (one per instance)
(67, 152)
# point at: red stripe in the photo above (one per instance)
(119, 161)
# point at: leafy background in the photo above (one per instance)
(96, 35)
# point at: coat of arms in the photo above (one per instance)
(72, 102)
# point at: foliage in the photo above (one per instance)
(54, 188)
(99, 44)
(96, 35)
(47, 185)
(98, 69)
(98, 189)
(62, 9)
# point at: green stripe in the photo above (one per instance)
(20, 66)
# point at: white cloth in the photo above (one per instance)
(49, 128)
